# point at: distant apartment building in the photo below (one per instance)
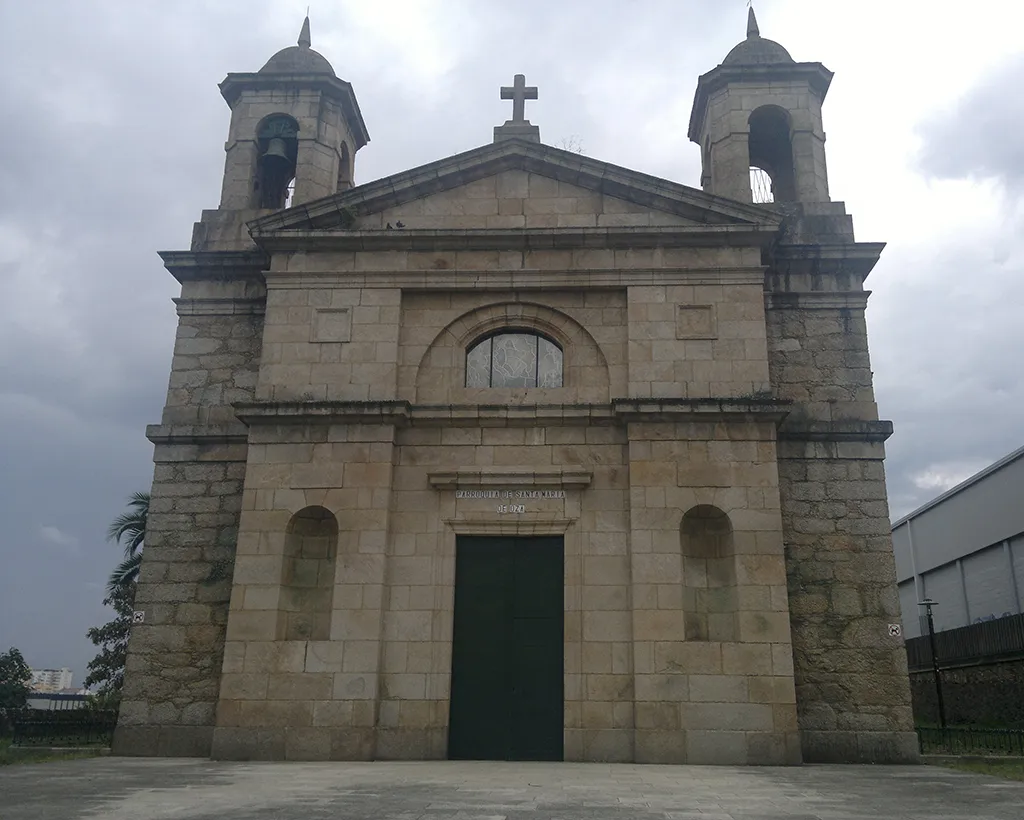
(965, 550)
(50, 680)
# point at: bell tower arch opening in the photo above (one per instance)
(277, 141)
(344, 168)
(771, 152)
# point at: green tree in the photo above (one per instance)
(129, 528)
(14, 685)
(106, 670)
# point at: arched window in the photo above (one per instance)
(514, 358)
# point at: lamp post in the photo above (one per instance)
(928, 603)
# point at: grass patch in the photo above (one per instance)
(1006, 769)
(10, 755)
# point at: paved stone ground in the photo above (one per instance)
(146, 789)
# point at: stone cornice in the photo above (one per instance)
(511, 415)
(226, 306)
(514, 279)
(205, 266)
(676, 410)
(401, 413)
(324, 412)
(788, 262)
(525, 239)
(197, 433)
(851, 430)
(817, 300)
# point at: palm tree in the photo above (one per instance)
(130, 528)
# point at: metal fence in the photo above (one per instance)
(989, 641)
(965, 741)
(54, 702)
(78, 727)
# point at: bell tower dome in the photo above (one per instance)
(757, 116)
(295, 129)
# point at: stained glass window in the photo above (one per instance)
(519, 359)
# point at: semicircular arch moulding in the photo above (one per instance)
(441, 374)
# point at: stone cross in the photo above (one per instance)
(519, 94)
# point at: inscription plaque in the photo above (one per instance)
(517, 495)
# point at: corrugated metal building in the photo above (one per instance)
(965, 550)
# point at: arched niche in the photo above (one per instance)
(771, 153)
(307, 576)
(709, 574)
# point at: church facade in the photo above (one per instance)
(519, 454)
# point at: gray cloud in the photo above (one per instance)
(979, 135)
(945, 321)
(946, 345)
(58, 537)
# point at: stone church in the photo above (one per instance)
(520, 454)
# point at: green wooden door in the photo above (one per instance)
(507, 686)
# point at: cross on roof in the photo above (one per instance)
(519, 93)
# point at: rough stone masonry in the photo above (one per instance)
(386, 400)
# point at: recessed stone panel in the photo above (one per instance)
(696, 322)
(332, 325)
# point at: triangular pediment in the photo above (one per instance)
(516, 185)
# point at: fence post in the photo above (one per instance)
(928, 603)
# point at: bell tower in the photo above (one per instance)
(295, 129)
(757, 119)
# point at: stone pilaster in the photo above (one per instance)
(172, 672)
(174, 655)
(851, 675)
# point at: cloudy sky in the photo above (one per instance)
(115, 143)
